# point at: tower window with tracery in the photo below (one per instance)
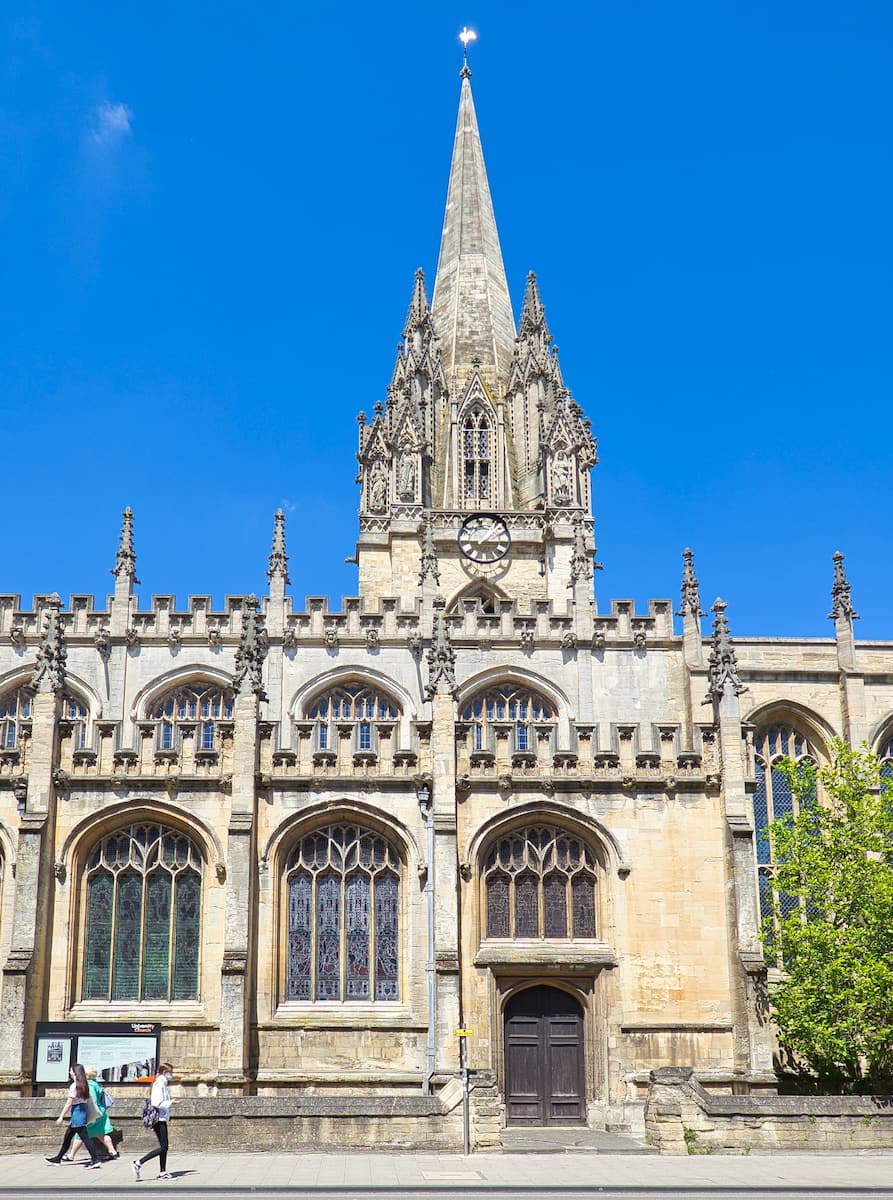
(356, 706)
(540, 882)
(885, 754)
(143, 906)
(774, 799)
(343, 902)
(508, 708)
(196, 707)
(477, 456)
(15, 717)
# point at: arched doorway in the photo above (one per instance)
(544, 1058)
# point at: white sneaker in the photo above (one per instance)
(165, 1175)
(136, 1167)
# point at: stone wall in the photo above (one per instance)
(682, 1118)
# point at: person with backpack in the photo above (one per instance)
(156, 1114)
(101, 1128)
(77, 1109)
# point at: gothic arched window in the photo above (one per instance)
(540, 882)
(15, 708)
(509, 706)
(885, 754)
(355, 705)
(15, 711)
(197, 706)
(477, 456)
(772, 800)
(343, 903)
(142, 902)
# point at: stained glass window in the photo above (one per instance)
(355, 705)
(343, 916)
(199, 706)
(476, 455)
(540, 882)
(506, 705)
(885, 754)
(143, 908)
(773, 799)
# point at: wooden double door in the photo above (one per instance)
(544, 1058)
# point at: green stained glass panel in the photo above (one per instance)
(98, 947)
(126, 976)
(187, 913)
(157, 937)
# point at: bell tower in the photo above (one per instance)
(479, 459)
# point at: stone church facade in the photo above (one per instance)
(315, 842)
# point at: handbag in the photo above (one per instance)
(106, 1099)
(117, 1136)
(93, 1112)
(150, 1115)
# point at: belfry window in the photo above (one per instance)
(772, 800)
(540, 882)
(15, 709)
(143, 901)
(343, 903)
(476, 456)
(196, 707)
(15, 714)
(513, 709)
(355, 706)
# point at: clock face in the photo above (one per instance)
(484, 539)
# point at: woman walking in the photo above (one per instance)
(101, 1129)
(160, 1099)
(76, 1109)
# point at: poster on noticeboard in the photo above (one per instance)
(122, 1051)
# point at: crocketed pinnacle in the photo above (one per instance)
(278, 568)
(472, 310)
(125, 559)
(49, 669)
(252, 650)
(690, 603)
(841, 595)
(722, 666)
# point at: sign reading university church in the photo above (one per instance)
(122, 1052)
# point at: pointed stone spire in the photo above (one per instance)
(441, 656)
(278, 568)
(841, 597)
(690, 603)
(49, 670)
(252, 650)
(472, 310)
(533, 315)
(125, 559)
(419, 308)
(722, 666)
(429, 568)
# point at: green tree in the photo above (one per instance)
(832, 923)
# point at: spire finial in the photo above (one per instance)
(467, 35)
(691, 592)
(722, 666)
(278, 558)
(125, 559)
(841, 597)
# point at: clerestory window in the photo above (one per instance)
(343, 903)
(199, 707)
(540, 882)
(355, 706)
(509, 707)
(773, 799)
(142, 902)
(477, 455)
(15, 715)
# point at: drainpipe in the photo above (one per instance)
(423, 794)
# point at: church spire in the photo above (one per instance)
(278, 567)
(472, 310)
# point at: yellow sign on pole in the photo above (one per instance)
(464, 1032)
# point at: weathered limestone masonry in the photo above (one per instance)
(314, 841)
(682, 1118)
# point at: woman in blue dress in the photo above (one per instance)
(76, 1109)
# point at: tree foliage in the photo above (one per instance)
(832, 925)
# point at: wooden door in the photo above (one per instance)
(544, 1058)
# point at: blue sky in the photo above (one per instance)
(211, 218)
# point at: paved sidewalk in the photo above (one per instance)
(336, 1171)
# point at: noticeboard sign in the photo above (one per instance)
(122, 1051)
